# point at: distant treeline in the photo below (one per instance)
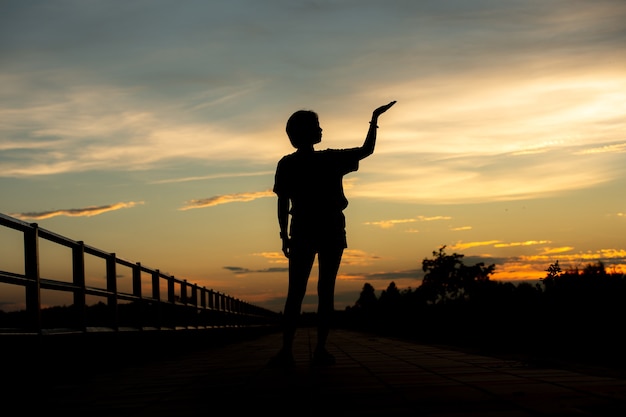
(577, 314)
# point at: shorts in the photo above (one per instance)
(327, 232)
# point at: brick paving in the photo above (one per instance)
(373, 376)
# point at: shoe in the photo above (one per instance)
(282, 360)
(322, 358)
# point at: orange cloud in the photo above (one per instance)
(520, 271)
(77, 212)
(462, 246)
(433, 218)
(357, 257)
(604, 255)
(273, 257)
(226, 198)
(462, 228)
(549, 251)
(351, 277)
(526, 243)
(386, 224)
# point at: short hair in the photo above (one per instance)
(299, 127)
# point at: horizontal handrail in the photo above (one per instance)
(185, 305)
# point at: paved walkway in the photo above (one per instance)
(374, 376)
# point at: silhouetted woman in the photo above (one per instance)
(309, 187)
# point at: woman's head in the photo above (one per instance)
(303, 129)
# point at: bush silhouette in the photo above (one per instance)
(569, 315)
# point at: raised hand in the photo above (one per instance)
(382, 109)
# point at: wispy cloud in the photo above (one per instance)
(612, 148)
(76, 212)
(552, 251)
(525, 243)
(388, 276)
(615, 257)
(467, 245)
(534, 266)
(212, 177)
(496, 244)
(461, 228)
(350, 257)
(225, 199)
(273, 257)
(238, 270)
(432, 218)
(358, 257)
(386, 224)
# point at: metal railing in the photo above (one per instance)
(171, 303)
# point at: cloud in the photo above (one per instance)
(273, 257)
(76, 212)
(416, 274)
(525, 243)
(411, 274)
(467, 245)
(461, 228)
(358, 257)
(615, 257)
(496, 244)
(552, 251)
(386, 224)
(213, 177)
(238, 270)
(502, 117)
(225, 199)
(533, 267)
(432, 218)
(611, 148)
(350, 257)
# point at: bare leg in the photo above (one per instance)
(300, 265)
(329, 261)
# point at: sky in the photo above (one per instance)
(152, 129)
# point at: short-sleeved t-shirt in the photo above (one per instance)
(313, 182)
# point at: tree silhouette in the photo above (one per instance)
(367, 299)
(390, 303)
(576, 314)
(447, 278)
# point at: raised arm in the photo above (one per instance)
(370, 140)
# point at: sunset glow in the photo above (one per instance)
(153, 131)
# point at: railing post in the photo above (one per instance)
(31, 271)
(156, 295)
(184, 301)
(203, 311)
(156, 289)
(194, 304)
(194, 295)
(137, 280)
(171, 293)
(140, 308)
(78, 278)
(221, 305)
(183, 292)
(203, 292)
(111, 266)
(172, 310)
